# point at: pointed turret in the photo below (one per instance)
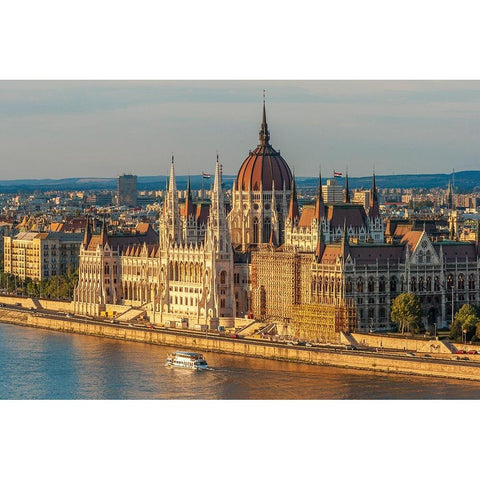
(217, 221)
(346, 195)
(319, 205)
(345, 243)
(189, 207)
(88, 233)
(374, 210)
(450, 196)
(103, 232)
(320, 246)
(171, 223)
(293, 211)
(264, 135)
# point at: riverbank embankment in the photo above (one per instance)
(338, 357)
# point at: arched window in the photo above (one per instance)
(381, 284)
(223, 277)
(360, 285)
(267, 227)
(413, 284)
(393, 284)
(420, 257)
(421, 286)
(371, 284)
(428, 257)
(461, 282)
(471, 282)
(348, 285)
(429, 284)
(255, 230)
(436, 284)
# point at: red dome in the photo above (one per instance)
(264, 166)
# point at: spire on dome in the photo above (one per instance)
(264, 135)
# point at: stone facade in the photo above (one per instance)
(267, 258)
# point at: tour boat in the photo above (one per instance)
(194, 361)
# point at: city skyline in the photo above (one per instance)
(60, 129)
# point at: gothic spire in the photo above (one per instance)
(374, 210)
(320, 246)
(88, 233)
(293, 211)
(189, 208)
(264, 135)
(103, 232)
(319, 205)
(346, 196)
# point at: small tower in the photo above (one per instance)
(170, 223)
(346, 194)
(374, 210)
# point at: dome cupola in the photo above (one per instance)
(264, 166)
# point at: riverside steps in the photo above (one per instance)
(189, 340)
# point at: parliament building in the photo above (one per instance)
(334, 266)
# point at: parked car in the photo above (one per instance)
(472, 352)
(461, 352)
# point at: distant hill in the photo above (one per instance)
(466, 181)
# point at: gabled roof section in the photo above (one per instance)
(352, 214)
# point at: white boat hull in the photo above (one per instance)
(187, 360)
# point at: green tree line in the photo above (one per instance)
(57, 286)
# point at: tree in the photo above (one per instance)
(406, 313)
(467, 318)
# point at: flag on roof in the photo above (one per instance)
(206, 175)
(337, 174)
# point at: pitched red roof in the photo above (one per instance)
(307, 216)
(352, 214)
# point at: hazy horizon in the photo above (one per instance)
(101, 129)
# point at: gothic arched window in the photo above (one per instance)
(255, 230)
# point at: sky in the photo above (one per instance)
(58, 129)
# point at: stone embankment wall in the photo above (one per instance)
(399, 343)
(27, 302)
(340, 358)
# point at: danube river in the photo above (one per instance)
(39, 364)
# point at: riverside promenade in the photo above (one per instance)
(446, 366)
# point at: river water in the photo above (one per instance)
(39, 364)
